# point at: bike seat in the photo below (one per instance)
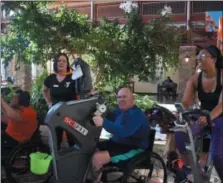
(161, 116)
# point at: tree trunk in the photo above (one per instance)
(23, 77)
(99, 74)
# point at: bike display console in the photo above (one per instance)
(75, 118)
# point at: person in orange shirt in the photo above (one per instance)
(21, 120)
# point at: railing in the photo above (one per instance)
(154, 8)
(203, 6)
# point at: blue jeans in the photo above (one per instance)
(216, 142)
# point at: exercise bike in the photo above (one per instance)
(16, 164)
(71, 164)
(182, 123)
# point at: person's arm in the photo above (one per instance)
(46, 95)
(189, 93)
(10, 112)
(4, 118)
(46, 91)
(218, 110)
(112, 114)
(134, 122)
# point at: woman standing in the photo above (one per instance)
(58, 87)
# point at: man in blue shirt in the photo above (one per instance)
(129, 128)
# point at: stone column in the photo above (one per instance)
(186, 69)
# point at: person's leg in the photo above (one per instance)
(217, 145)
(110, 151)
(59, 133)
(70, 140)
(170, 144)
(181, 140)
(98, 162)
(99, 159)
(205, 150)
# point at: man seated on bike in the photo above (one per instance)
(129, 128)
(21, 121)
(208, 85)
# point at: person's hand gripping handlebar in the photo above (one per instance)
(97, 119)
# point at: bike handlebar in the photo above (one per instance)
(189, 116)
(166, 119)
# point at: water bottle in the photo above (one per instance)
(76, 146)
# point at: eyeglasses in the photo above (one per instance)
(122, 97)
(202, 56)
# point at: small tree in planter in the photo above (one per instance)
(37, 99)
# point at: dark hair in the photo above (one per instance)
(24, 97)
(56, 60)
(216, 53)
(199, 48)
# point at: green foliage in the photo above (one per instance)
(35, 33)
(37, 99)
(142, 101)
(115, 54)
(134, 50)
(8, 92)
(147, 45)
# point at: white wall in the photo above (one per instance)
(3, 70)
(173, 74)
(146, 87)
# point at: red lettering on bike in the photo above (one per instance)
(69, 121)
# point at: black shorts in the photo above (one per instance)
(113, 148)
(206, 145)
(119, 152)
(206, 140)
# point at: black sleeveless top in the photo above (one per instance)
(209, 100)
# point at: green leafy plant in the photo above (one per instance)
(142, 101)
(136, 49)
(116, 53)
(35, 33)
(37, 99)
(8, 92)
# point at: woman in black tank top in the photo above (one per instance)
(211, 99)
(208, 85)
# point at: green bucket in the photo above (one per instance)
(39, 163)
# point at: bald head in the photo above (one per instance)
(125, 99)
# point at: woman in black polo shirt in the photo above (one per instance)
(58, 87)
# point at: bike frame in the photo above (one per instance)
(198, 176)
